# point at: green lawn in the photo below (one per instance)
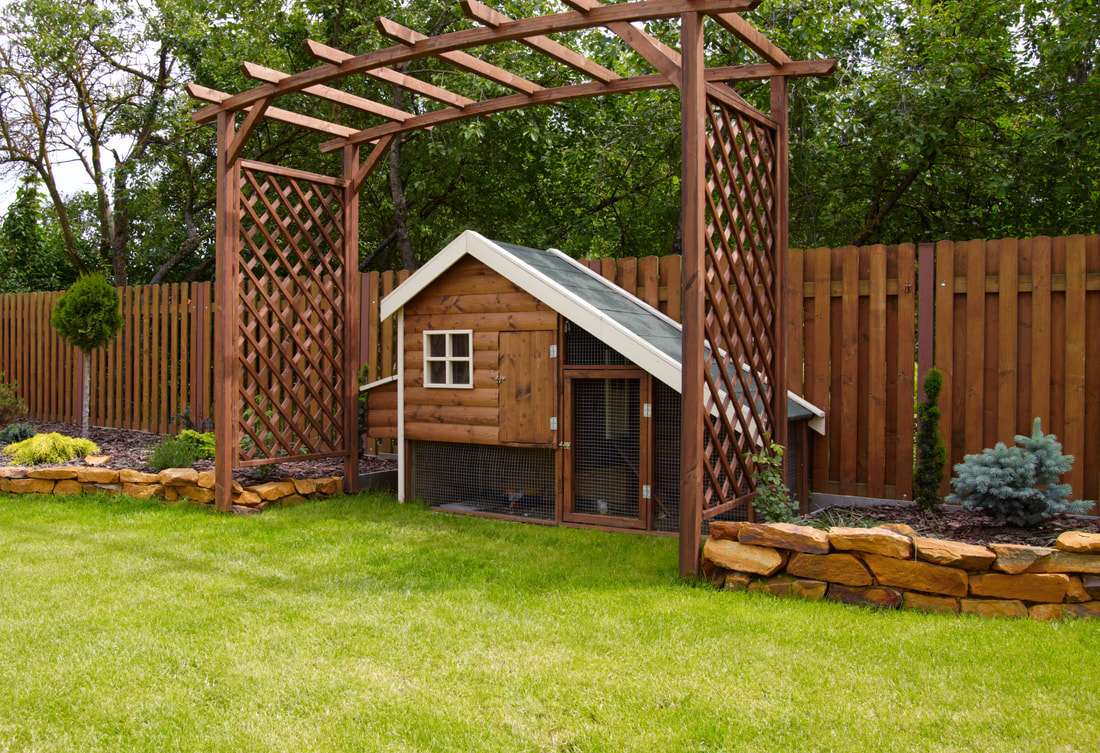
(357, 624)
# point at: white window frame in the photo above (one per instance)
(449, 359)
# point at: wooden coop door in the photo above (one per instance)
(528, 400)
(607, 455)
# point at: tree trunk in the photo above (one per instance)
(86, 412)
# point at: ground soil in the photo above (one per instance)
(129, 449)
(959, 524)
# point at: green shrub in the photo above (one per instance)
(176, 452)
(43, 449)
(11, 405)
(1017, 485)
(203, 442)
(773, 503)
(17, 433)
(931, 452)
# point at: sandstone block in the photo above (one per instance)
(1017, 558)
(877, 540)
(1062, 611)
(68, 487)
(734, 555)
(5, 485)
(917, 576)
(111, 489)
(142, 491)
(785, 536)
(9, 471)
(928, 603)
(170, 493)
(736, 581)
(273, 490)
(305, 486)
(780, 585)
(954, 554)
(834, 568)
(1049, 587)
(247, 499)
(992, 608)
(872, 596)
(725, 530)
(97, 460)
(130, 476)
(196, 493)
(332, 485)
(93, 475)
(53, 474)
(178, 477)
(1067, 562)
(1088, 610)
(902, 528)
(31, 486)
(1092, 585)
(1075, 591)
(813, 590)
(293, 499)
(710, 571)
(1079, 541)
(206, 479)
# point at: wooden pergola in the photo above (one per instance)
(287, 299)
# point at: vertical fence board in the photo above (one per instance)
(975, 344)
(1040, 330)
(1008, 296)
(944, 350)
(905, 334)
(876, 377)
(819, 384)
(796, 319)
(848, 417)
(1074, 438)
(1057, 335)
(671, 272)
(1091, 469)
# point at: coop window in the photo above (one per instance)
(449, 358)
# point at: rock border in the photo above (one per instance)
(891, 567)
(171, 484)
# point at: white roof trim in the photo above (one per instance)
(378, 383)
(562, 300)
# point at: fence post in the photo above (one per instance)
(926, 312)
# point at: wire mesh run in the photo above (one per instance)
(584, 349)
(513, 481)
(667, 423)
(606, 447)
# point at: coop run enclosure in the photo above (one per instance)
(511, 405)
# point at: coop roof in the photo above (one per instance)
(615, 317)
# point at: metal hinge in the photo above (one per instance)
(553, 423)
(563, 445)
(645, 491)
(499, 378)
(647, 410)
(553, 351)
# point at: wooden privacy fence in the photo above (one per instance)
(1013, 324)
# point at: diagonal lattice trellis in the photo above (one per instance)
(740, 306)
(290, 327)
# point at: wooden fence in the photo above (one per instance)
(1013, 324)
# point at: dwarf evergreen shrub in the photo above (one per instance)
(1017, 485)
(17, 433)
(44, 449)
(931, 452)
(203, 442)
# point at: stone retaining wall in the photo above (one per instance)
(172, 484)
(892, 567)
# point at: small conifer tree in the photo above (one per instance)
(931, 452)
(87, 316)
(1017, 485)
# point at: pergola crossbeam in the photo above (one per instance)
(752, 38)
(206, 94)
(329, 94)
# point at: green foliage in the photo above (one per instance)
(12, 406)
(203, 442)
(17, 433)
(930, 449)
(45, 449)
(87, 313)
(30, 259)
(1017, 485)
(773, 503)
(176, 452)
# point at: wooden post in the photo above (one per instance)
(225, 306)
(693, 129)
(779, 317)
(926, 307)
(351, 321)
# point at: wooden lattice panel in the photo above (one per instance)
(740, 306)
(290, 327)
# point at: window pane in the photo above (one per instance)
(460, 345)
(460, 372)
(437, 372)
(437, 346)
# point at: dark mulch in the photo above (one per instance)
(129, 449)
(960, 524)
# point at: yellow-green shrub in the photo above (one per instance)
(42, 449)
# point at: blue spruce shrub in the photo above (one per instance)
(1017, 485)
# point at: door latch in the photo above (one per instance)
(563, 445)
(499, 378)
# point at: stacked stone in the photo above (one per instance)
(172, 484)
(890, 566)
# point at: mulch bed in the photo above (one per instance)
(960, 524)
(129, 449)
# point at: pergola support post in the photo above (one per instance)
(351, 320)
(227, 229)
(693, 129)
(779, 113)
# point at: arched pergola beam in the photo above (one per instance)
(646, 10)
(799, 69)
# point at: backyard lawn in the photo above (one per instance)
(357, 624)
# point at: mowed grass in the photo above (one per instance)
(357, 624)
